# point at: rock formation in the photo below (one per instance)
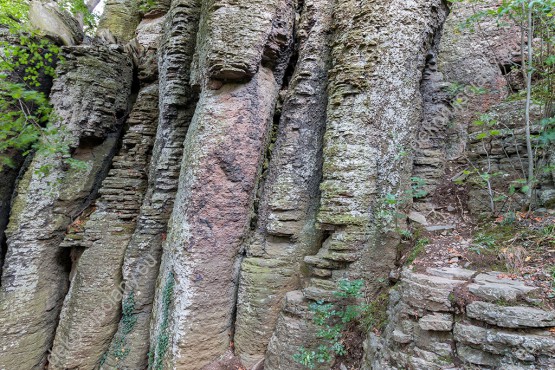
(239, 160)
(426, 329)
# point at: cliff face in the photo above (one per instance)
(239, 155)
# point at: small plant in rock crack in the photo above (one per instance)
(333, 320)
(392, 206)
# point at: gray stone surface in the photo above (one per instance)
(504, 345)
(436, 322)
(48, 19)
(431, 292)
(511, 317)
(434, 228)
(285, 232)
(452, 273)
(493, 286)
(120, 19)
(92, 90)
(418, 217)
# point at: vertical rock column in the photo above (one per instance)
(91, 309)
(91, 91)
(91, 312)
(430, 145)
(223, 153)
(142, 257)
(378, 55)
(120, 19)
(286, 232)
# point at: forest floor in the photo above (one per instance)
(521, 245)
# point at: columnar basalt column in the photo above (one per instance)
(287, 210)
(142, 257)
(93, 306)
(378, 55)
(92, 90)
(223, 155)
(223, 151)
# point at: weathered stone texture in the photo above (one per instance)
(285, 232)
(422, 335)
(48, 19)
(497, 347)
(89, 95)
(511, 317)
(120, 18)
(373, 112)
(91, 312)
(232, 38)
(262, 183)
(493, 287)
(142, 256)
(223, 151)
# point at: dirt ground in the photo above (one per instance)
(521, 245)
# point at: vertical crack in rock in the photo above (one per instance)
(130, 345)
(429, 148)
(224, 151)
(91, 91)
(378, 56)
(9, 175)
(91, 310)
(285, 231)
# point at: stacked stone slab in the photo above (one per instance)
(428, 329)
(92, 90)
